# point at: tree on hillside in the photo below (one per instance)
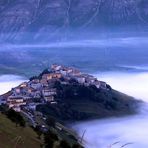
(51, 121)
(3, 108)
(15, 117)
(64, 144)
(49, 139)
(77, 146)
(38, 131)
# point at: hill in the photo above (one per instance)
(12, 136)
(57, 96)
(27, 137)
(67, 94)
(89, 103)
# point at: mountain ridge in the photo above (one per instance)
(49, 20)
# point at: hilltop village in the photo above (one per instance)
(41, 89)
(66, 95)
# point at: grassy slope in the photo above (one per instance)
(95, 110)
(10, 135)
(122, 105)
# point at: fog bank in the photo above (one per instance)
(7, 82)
(130, 131)
(134, 84)
(100, 42)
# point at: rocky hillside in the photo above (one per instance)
(22, 20)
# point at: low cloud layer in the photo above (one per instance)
(7, 82)
(130, 131)
(104, 42)
(134, 84)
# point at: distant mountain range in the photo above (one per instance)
(38, 20)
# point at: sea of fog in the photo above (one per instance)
(102, 42)
(7, 82)
(131, 131)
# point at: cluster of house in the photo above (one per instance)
(72, 73)
(42, 90)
